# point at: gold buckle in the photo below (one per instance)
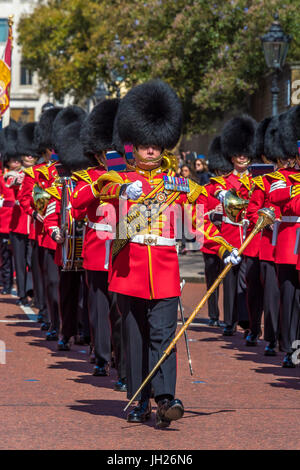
(150, 240)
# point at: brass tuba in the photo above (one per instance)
(234, 206)
(40, 198)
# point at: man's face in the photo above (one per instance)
(28, 161)
(148, 158)
(13, 164)
(240, 162)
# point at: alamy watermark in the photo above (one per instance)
(295, 99)
(174, 221)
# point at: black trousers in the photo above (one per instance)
(22, 259)
(37, 260)
(99, 309)
(271, 303)
(6, 262)
(83, 309)
(51, 274)
(289, 306)
(234, 297)
(213, 267)
(150, 326)
(254, 294)
(71, 301)
(117, 336)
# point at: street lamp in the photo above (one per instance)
(275, 46)
(115, 75)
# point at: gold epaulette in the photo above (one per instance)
(44, 170)
(295, 190)
(295, 177)
(82, 175)
(258, 181)
(245, 180)
(220, 180)
(53, 191)
(276, 175)
(195, 191)
(29, 171)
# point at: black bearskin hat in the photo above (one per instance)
(43, 130)
(65, 117)
(273, 143)
(70, 148)
(237, 137)
(216, 160)
(25, 142)
(97, 129)
(260, 137)
(150, 114)
(9, 143)
(290, 131)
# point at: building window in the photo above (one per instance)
(3, 29)
(26, 76)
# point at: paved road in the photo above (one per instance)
(236, 399)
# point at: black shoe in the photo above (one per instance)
(251, 340)
(213, 322)
(101, 371)
(6, 292)
(270, 349)
(40, 318)
(52, 335)
(140, 413)
(45, 326)
(120, 386)
(92, 355)
(167, 411)
(246, 333)
(229, 330)
(287, 361)
(63, 344)
(22, 301)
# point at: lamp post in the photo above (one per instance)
(275, 46)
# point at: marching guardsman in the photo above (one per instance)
(218, 166)
(144, 254)
(19, 224)
(58, 220)
(96, 136)
(8, 137)
(34, 200)
(268, 147)
(286, 236)
(237, 145)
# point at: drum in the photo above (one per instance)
(73, 231)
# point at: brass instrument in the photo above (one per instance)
(169, 161)
(40, 198)
(266, 217)
(234, 206)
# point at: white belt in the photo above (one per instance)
(291, 219)
(102, 227)
(153, 240)
(228, 221)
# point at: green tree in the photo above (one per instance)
(209, 51)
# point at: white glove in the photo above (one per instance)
(134, 190)
(221, 195)
(233, 258)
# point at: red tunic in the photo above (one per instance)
(20, 221)
(233, 232)
(43, 175)
(8, 197)
(96, 246)
(280, 195)
(145, 270)
(258, 200)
